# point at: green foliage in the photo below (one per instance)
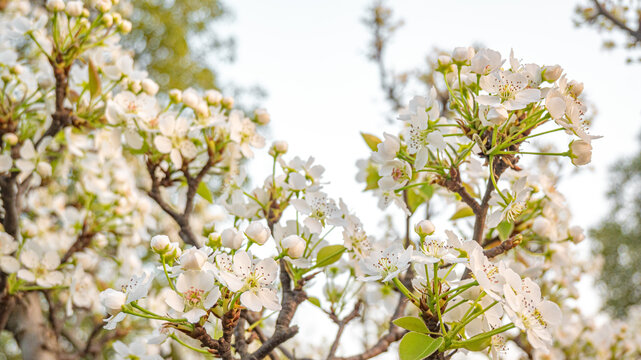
(173, 39)
(416, 346)
(329, 255)
(618, 238)
(411, 323)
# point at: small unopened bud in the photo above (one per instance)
(295, 246)
(202, 110)
(117, 17)
(278, 147)
(262, 116)
(575, 88)
(107, 20)
(231, 238)
(192, 259)
(160, 244)
(150, 87)
(125, 26)
(257, 232)
(580, 152)
(214, 97)
(191, 99)
(135, 86)
(552, 73)
(74, 8)
(463, 55)
(444, 60)
(576, 232)
(112, 300)
(55, 5)
(214, 240)
(100, 240)
(175, 95)
(86, 13)
(424, 228)
(103, 6)
(174, 251)
(228, 102)
(10, 138)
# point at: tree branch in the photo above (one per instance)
(505, 246)
(636, 34)
(341, 327)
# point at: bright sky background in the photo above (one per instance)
(310, 57)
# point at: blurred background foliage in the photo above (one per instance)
(177, 42)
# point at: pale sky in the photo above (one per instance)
(322, 91)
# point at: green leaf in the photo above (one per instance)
(329, 255)
(462, 213)
(477, 345)
(372, 178)
(415, 346)
(418, 195)
(94, 80)
(314, 301)
(371, 140)
(505, 230)
(203, 191)
(411, 323)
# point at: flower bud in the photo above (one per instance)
(86, 13)
(192, 259)
(463, 54)
(191, 99)
(55, 5)
(262, 116)
(174, 251)
(112, 300)
(44, 168)
(107, 20)
(125, 26)
(278, 147)
(117, 17)
(580, 152)
(175, 95)
(576, 232)
(135, 86)
(150, 87)
(202, 110)
(214, 97)
(424, 228)
(231, 238)
(444, 60)
(295, 246)
(103, 6)
(100, 240)
(214, 240)
(10, 138)
(228, 102)
(542, 226)
(74, 8)
(575, 88)
(552, 73)
(257, 232)
(160, 244)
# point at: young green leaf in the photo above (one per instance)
(411, 323)
(416, 346)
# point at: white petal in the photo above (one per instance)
(175, 301)
(194, 315)
(6, 162)
(250, 301)
(269, 299)
(176, 158)
(9, 264)
(163, 144)
(27, 151)
(266, 271)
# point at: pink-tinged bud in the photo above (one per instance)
(424, 228)
(552, 73)
(150, 87)
(262, 116)
(10, 138)
(278, 147)
(580, 152)
(576, 232)
(231, 238)
(295, 246)
(257, 232)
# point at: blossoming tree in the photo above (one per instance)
(111, 247)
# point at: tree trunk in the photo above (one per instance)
(31, 330)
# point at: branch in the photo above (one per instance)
(341, 327)
(636, 34)
(454, 184)
(505, 246)
(81, 242)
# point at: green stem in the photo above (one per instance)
(405, 291)
(164, 268)
(189, 346)
(486, 335)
